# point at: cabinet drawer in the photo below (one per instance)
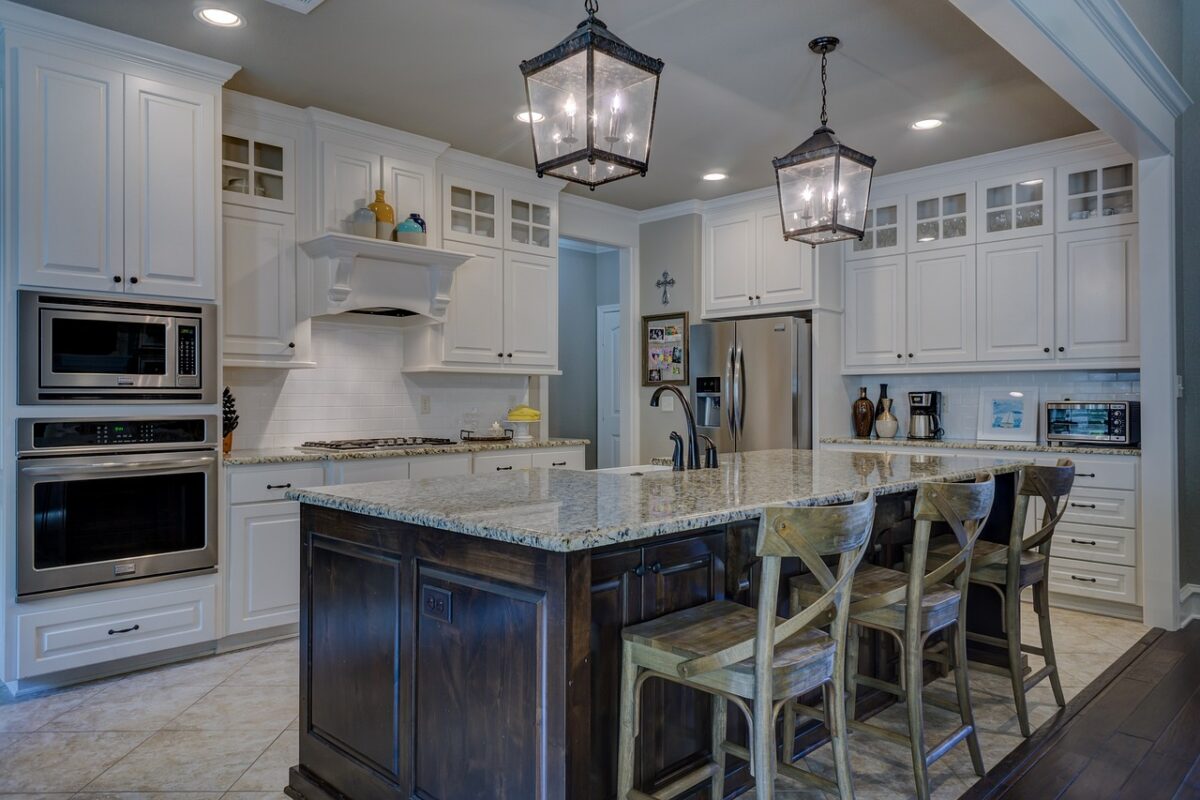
(1104, 544)
(501, 462)
(440, 466)
(372, 469)
(76, 636)
(1116, 507)
(565, 459)
(1116, 473)
(260, 484)
(1089, 579)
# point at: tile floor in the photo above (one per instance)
(226, 727)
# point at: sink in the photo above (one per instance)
(635, 470)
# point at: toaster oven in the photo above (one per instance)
(1116, 423)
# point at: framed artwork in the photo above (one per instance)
(665, 349)
(1008, 415)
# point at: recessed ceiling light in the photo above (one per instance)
(926, 124)
(220, 17)
(526, 116)
(715, 176)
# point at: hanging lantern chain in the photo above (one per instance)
(824, 62)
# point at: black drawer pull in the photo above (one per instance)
(114, 632)
(656, 567)
(1083, 541)
(1085, 474)
(1083, 505)
(279, 486)
(558, 463)
(1084, 580)
(501, 469)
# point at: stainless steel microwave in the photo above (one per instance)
(95, 349)
(1116, 423)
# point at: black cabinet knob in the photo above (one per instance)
(899, 355)
(116, 278)
(910, 355)
(656, 567)
(499, 355)
(1062, 349)
(750, 297)
(292, 345)
(510, 355)
(758, 297)
(1045, 349)
(639, 570)
(133, 279)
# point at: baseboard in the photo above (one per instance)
(1189, 603)
(1090, 605)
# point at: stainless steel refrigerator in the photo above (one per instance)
(751, 382)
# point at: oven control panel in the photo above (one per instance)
(58, 434)
(186, 372)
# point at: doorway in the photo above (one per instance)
(608, 386)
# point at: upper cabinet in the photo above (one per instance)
(941, 306)
(260, 285)
(531, 224)
(942, 218)
(875, 321)
(884, 231)
(1014, 301)
(258, 169)
(749, 268)
(473, 211)
(1096, 293)
(1097, 193)
(1015, 206)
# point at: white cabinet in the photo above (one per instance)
(349, 178)
(1014, 302)
(728, 255)
(494, 463)
(472, 211)
(354, 167)
(258, 169)
(943, 218)
(1015, 206)
(263, 571)
(941, 306)
(70, 146)
(530, 310)
(564, 458)
(875, 319)
(785, 275)
(440, 466)
(748, 267)
(407, 188)
(1096, 293)
(884, 231)
(1096, 194)
(531, 224)
(170, 191)
(260, 284)
(474, 331)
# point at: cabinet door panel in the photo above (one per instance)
(1096, 290)
(170, 191)
(475, 318)
(729, 269)
(349, 178)
(785, 269)
(409, 186)
(264, 566)
(530, 310)
(1015, 300)
(260, 282)
(941, 304)
(530, 224)
(875, 312)
(70, 134)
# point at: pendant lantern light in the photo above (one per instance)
(823, 184)
(591, 105)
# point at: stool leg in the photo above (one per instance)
(720, 711)
(1012, 617)
(962, 686)
(913, 664)
(1042, 607)
(788, 745)
(764, 748)
(629, 701)
(835, 720)
(853, 633)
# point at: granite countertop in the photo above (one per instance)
(565, 511)
(290, 455)
(975, 444)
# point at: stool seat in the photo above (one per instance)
(994, 558)
(939, 605)
(802, 662)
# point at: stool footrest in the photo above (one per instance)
(985, 639)
(947, 744)
(680, 784)
(883, 686)
(1036, 678)
(875, 730)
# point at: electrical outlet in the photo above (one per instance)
(435, 603)
(667, 402)
(426, 404)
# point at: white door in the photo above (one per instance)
(170, 190)
(69, 147)
(941, 306)
(475, 317)
(1015, 299)
(409, 189)
(728, 258)
(530, 310)
(1096, 290)
(875, 312)
(785, 269)
(608, 386)
(349, 178)
(264, 566)
(259, 282)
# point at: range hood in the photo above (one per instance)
(357, 274)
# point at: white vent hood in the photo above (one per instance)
(354, 273)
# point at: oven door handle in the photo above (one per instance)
(120, 466)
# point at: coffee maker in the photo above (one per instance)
(924, 421)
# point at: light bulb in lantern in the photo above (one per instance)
(569, 108)
(614, 120)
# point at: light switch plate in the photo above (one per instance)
(667, 402)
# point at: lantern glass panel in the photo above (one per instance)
(624, 106)
(806, 194)
(559, 94)
(592, 173)
(855, 180)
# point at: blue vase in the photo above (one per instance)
(415, 217)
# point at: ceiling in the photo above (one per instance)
(740, 86)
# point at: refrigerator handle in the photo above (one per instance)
(741, 380)
(730, 396)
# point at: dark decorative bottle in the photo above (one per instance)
(863, 412)
(879, 405)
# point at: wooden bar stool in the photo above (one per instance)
(754, 659)
(882, 599)
(1024, 561)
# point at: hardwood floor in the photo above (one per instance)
(1134, 732)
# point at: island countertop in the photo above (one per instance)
(568, 511)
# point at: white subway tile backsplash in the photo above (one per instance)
(358, 390)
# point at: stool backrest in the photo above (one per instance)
(810, 534)
(1053, 485)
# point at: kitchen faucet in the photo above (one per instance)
(693, 458)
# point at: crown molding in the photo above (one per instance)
(590, 204)
(584, 247)
(329, 120)
(73, 33)
(502, 170)
(239, 103)
(671, 210)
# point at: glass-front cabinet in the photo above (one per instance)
(943, 218)
(1015, 206)
(1097, 193)
(257, 169)
(472, 212)
(883, 233)
(532, 225)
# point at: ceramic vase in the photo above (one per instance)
(362, 222)
(882, 396)
(409, 232)
(385, 216)
(862, 411)
(227, 443)
(886, 424)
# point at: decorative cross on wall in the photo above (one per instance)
(665, 283)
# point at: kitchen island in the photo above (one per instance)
(460, 637)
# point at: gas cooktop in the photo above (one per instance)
(382, 443)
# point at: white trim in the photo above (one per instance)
(600, 376)
(16, 17)
(680, 209)
(565, 243)
(238, 103)
(1189, 603)
(422, 145)
(454, 161)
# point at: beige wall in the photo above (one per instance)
(672, 245)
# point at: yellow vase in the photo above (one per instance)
(385, 216)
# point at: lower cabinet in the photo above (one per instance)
(263, 569)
